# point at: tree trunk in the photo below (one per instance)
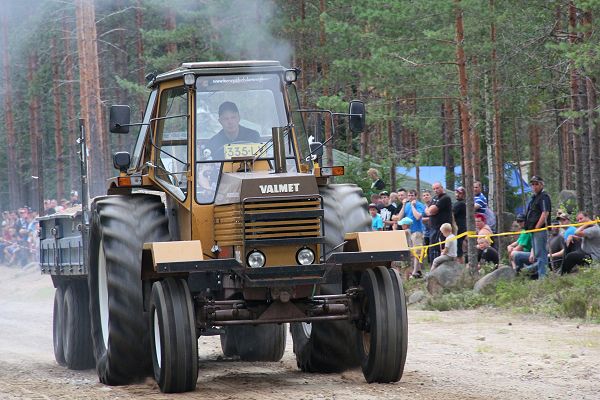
(489, 143)
(74, 170)
(89, 89)
(448, 135)
(534, 148)
(35, 137)
(323, 63)
(390, 140)
(592, 130)
(496, 132)
(58, 128)
(575, 107)
(466, 129)
(139, 48)
(14, 192)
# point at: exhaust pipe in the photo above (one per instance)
(279, 149)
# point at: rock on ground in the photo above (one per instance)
(416, 297)
(489, 282)
(448, 276)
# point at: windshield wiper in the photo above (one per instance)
(269, 144)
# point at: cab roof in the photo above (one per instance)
(219, 68)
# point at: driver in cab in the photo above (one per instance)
(232, 132)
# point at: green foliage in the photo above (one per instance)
(457, 300)
(573, 296)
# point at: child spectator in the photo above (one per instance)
(450, 250)
(376, 222)
(486, 253)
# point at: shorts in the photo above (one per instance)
(417, 238)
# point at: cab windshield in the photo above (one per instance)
(235, 115)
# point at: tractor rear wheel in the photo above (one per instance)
(174, 340)
(120, 332)
(383, 341)
(330, 346)
(57, 328)
(77, 341)
(255, 343)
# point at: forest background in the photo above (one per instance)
(480, 84)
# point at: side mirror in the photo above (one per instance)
(316, 149)
(357, 116)
(120, 118)
(121, 160)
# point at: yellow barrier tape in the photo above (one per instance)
(473, 235)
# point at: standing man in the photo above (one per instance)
(386, 211)
(538, 217)
(377, 184)
(426, 198)
(414, 210)
(439, 212)
(459, 210)
(480, 199)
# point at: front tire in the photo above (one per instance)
(383, 341)
(174, 340)
(120, 227)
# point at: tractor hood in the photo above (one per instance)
(237, 186)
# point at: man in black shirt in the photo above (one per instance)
(459, 210)
(386, 211)
(536, 217)
(439, 212)
(232, 132)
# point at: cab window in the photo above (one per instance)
(172, 141)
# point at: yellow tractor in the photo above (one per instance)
(222, 221)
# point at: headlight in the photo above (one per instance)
(256, 259)
(305, 256)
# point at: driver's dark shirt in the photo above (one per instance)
(217, 143)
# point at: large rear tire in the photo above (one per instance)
(255, 343)
(77, 341)
(383, 342)
(174, 340)
(331, 346)
(120, 332)
(57, 326)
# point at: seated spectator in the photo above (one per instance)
(590, 244)
(486, 254)
(480, 225)
(572, 242)
(556, 247)
(376, 221)
(450, 250)
(523, 242)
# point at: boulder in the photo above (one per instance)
(567, 200)
(416, 297)
(489, 281)
(448, 276)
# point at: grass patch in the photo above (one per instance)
(573, 296)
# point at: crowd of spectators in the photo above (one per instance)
(543, 245)
(19, 243)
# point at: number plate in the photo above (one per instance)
(241, 149)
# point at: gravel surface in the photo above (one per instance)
(476, 354)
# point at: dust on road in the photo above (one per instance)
(452, 355)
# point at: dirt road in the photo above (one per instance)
(452, 355)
